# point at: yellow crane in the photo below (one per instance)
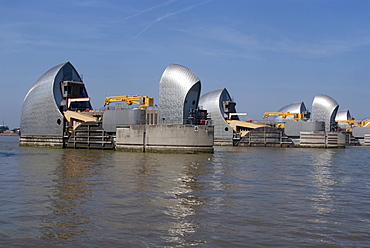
(295, 116)
(366, 122)
(143, 101)
(359, 123)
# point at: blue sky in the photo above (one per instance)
(266, 53)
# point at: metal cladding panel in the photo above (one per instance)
(179, 91)
(40, 111)
(296, 107)
(343, 115)
(324, 108)
(212, 102)
(359, 132)
(112, 118)
(293, 129)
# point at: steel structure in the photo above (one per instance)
(296, 107)
(43, 106)
(179, 91)
(342, 117)
(213, 103)
(325, 108)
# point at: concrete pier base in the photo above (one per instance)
(41, 141)
(174, 138)
(323, 139)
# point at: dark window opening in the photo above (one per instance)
(67, 90)
(82, 106)
(82, 91)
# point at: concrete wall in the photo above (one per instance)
(322, 139)
(313, 139)
(41, 141)
(366, 141)
(166, 138)
(223, 141)
(337, 140)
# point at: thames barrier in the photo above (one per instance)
(57, 112)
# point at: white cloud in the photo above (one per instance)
(167, 15)
(234, 41)
(149, 9)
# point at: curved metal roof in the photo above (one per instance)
(343, 115)
(296, 107)
(212, 102)
(179, 91)
(324, 108)
(41, 113)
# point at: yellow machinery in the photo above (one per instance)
(143, 101)
(364, 123)
(295, 116)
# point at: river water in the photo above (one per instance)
(236, 197)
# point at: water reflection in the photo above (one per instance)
(177, 176)
(323, 161)
(72, 190)
(238, 198)
(187, 202)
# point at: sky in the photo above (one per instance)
(266, 53)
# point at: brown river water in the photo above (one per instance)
(236, 197)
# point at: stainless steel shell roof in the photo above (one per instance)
(179, 91)
(296, 107)
(212, 102)
(341, 116)
(41, 115)
(324, 108)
